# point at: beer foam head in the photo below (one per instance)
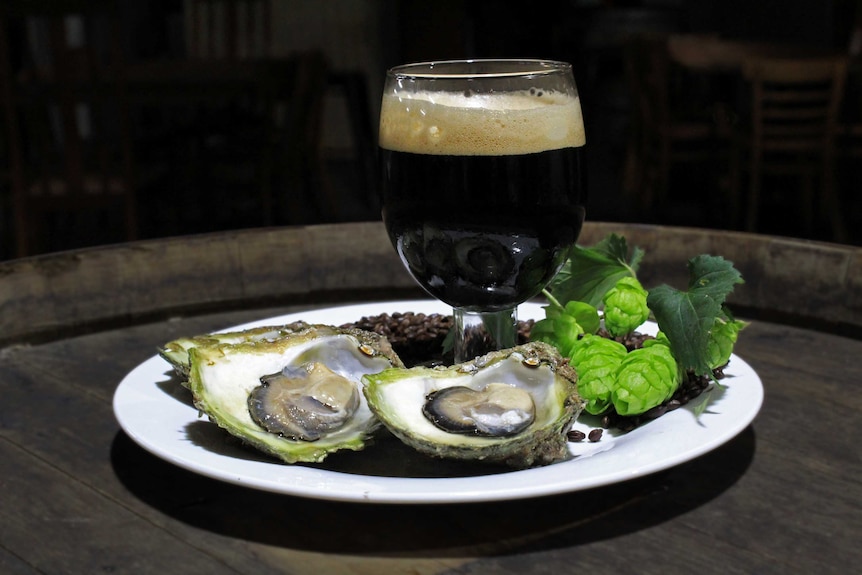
(464, 124)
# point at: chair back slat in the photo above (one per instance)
(229, 29)
(795, 103)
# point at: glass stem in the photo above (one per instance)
(477, 333)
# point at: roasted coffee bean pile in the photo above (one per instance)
(417, 338)
(632, 341)
(407, 328)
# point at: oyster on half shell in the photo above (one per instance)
(513, 406)
(297, 397)
(176, 352)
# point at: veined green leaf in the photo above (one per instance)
(687, 317)
(592, 271)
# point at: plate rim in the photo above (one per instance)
(316, 483)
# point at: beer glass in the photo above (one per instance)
(482, 185)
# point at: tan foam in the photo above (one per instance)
(507, 124)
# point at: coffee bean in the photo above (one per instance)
(575, 435)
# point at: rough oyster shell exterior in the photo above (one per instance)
(396, 396)
(223, 375)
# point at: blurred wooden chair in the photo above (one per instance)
(296, 164)
(229, 29)
(253, 153)
(222, 143)
(795, 103)
(849, 131)
(849, 141)
(68, 128)
(848, 152)
(669, 127)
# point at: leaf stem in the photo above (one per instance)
(629, 268)
(552, 300)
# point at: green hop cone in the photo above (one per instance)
(646, 378)
(563, 327)
(625, 306)
(586, 315)
(660, 339)
(561, 332)
(596, 359)
(722, 338)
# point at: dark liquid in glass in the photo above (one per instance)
(483, 232)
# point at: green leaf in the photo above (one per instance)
(687, 317)
(701, 406)
(713, 276)
(449, 341)
(592, 271)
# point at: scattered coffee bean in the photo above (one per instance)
(575, 435)
(595, 435)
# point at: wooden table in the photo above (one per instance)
(78, 496)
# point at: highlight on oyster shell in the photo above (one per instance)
(513, 406)
(296, 396)
(176, 352)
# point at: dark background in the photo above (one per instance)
(364, 37)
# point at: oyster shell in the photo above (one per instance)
(297, 397)
(512, 406)
(176, 352)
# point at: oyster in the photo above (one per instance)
(297, 397)
(512, 406)
(176, 352)
(304, 402)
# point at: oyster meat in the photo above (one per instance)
(297, 397)
(513, 406)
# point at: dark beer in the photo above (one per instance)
(485, 231)
(483, 197)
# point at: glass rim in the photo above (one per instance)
(437, 69)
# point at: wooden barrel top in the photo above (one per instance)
(793, 280)
(80, 496)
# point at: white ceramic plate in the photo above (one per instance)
(157, 413)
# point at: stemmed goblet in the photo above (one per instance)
(482, 184)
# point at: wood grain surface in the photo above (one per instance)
(796, 281)
(79, 496)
